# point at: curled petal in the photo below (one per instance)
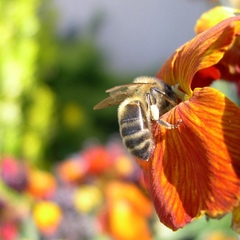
(205, 77)
(195, 168)
(203, 51)
(229, 66)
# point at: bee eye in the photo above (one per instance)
(169, 92)
(167, 88)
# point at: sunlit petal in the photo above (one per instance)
(196, 167)
(214, 16)
(203, 51)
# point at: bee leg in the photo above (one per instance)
(149, 101)
(169, 125)
(152, 108)
(153, 94)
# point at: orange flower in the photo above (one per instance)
(128, 212)
(228, 67)
(195, 168)
(41, 184)
(72, 170)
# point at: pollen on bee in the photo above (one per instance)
(154, 112)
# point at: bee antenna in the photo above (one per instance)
(164, 95)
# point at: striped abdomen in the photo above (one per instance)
(135, 129)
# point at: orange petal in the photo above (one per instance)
(203, 51)
(213, 17)
(196, 167)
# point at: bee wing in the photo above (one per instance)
(128, 88)
(112, 100)
(118, 94)
(120, 88)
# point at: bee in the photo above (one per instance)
(141, 102)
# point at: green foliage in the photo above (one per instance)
(79, 82)
(48, 85)
(18, 54)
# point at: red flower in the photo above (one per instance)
(195, 168)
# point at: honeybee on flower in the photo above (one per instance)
(141, 102)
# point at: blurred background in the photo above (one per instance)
(61, 162)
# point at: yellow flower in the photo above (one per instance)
(47, 216)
